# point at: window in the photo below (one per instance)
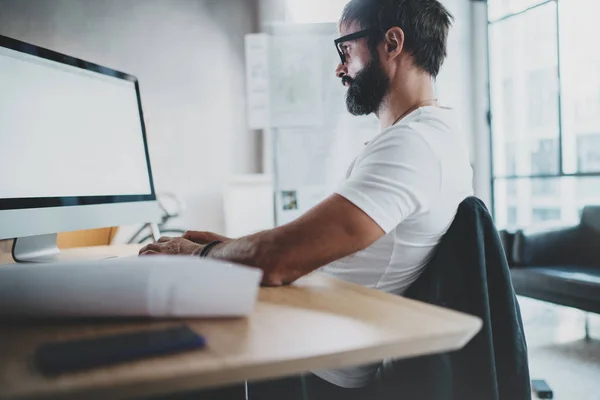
(524, 82)
(544, 157)
(542, 96)
(544, 188)
(588, 152)
(543, 201)
(545, 214)
(545, 105)
(511, 188)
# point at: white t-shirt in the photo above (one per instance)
(410, 179)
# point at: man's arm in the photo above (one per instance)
(398, 176)
(332, 230)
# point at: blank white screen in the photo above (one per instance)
(66, 132)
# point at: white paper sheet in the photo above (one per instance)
(158, 286)
(296, 82)
(257, 80)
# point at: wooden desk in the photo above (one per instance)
(319, 322)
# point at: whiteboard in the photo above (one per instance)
(312, 137)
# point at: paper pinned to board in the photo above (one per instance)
(257, 81)
(157, 286)
(296, 85)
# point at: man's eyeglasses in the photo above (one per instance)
(339, 43)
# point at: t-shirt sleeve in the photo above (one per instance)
(397, 176)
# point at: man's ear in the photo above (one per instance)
(394, 41)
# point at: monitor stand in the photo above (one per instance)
(36, 249)
(43, 248)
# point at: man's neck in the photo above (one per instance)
(410, 92)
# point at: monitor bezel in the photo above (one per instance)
(68, 201)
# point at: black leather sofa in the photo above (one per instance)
(560, 266)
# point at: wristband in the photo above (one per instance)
(206, 250)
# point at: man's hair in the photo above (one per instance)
(425, 24)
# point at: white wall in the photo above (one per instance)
(189, 58)
(481, 102)
(454, 81)
(272, 11)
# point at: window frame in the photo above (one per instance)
(561, 168)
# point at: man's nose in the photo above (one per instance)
(341, 71)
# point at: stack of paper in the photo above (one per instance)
(129, 287)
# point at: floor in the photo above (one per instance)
(558, 351)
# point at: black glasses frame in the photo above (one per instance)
(348, 38)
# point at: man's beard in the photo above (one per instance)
(367, 90)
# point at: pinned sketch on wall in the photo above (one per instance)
(257, 80)
(296, 82)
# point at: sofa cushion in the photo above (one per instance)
(573, 286)
(555, 247)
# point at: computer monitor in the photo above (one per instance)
(73, 149)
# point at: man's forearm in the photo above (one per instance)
(244, 250)
(258, 250)
(332, 230)
(271, 252)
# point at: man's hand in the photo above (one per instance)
(204, 237)
(172, 246)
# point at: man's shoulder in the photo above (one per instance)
(403, 136)
(418, 126)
